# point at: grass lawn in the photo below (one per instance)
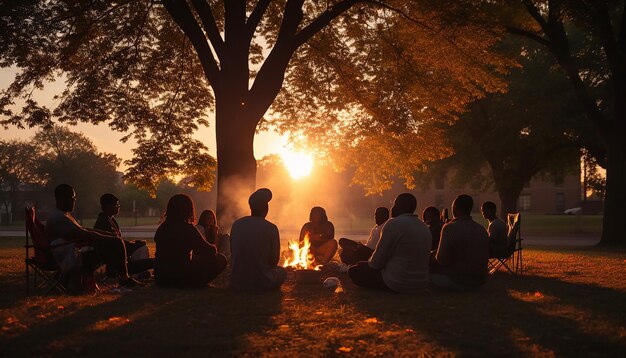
(569, 303)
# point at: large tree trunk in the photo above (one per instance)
(615, 197)
(508, 199)
(236, 164)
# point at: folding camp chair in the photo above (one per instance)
(40, 265)
(511, 258)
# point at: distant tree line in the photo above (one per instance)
(30, 169)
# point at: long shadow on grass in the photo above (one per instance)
(154, 321)
(511, 316)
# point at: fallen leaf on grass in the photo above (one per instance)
(112, 322)
(118, 319)
(344, 349)
(372, 320)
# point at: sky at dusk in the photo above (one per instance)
(107, 140)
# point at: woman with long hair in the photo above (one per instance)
(183, 257)
(321, 233)
(207, 225)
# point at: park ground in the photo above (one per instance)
(569, 302)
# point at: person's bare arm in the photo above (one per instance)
(303, 232)
(384, 249)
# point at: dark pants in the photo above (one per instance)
(203, 270)
(353, 252)
(198, 273)
(111, 252)
(365, 276)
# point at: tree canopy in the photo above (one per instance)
(505, 139)
(156, 70)
(588, 41)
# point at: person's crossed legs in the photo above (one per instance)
(365, 276)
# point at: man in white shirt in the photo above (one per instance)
(497, 229)
(401, 259)
(353, 252)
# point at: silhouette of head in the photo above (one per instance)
(258, 202)
(207, 218)
(405, 203)
(110, 204)
(431, 215)
(462, 205)
(381, 215)
(65, 198)
(180, 208)
(318, 215)
(489, 209)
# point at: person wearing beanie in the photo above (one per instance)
(255, 248)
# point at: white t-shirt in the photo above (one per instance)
(403, 253)
(374, 236)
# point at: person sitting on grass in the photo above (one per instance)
(138, 254)
(207, 225)
(432, 218)
(463, 251)
(255, 247)
(184, 259)
(401, 259)
(321, 233)
(64, 232)
(353, 252)
(497, 229)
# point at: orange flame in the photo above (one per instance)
(301, 258)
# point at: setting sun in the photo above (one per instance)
(298, 164)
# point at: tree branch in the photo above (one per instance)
(534, 12)
(401, 12)
(529, 34)
(256, 16)
(210, 26)
(322, 21)
(182, 15)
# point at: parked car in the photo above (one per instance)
(573, 211)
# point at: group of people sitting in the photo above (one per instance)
(402, 254)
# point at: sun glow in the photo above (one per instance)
(298, 164)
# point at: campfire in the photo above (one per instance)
(302, 262)
(301, 258)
